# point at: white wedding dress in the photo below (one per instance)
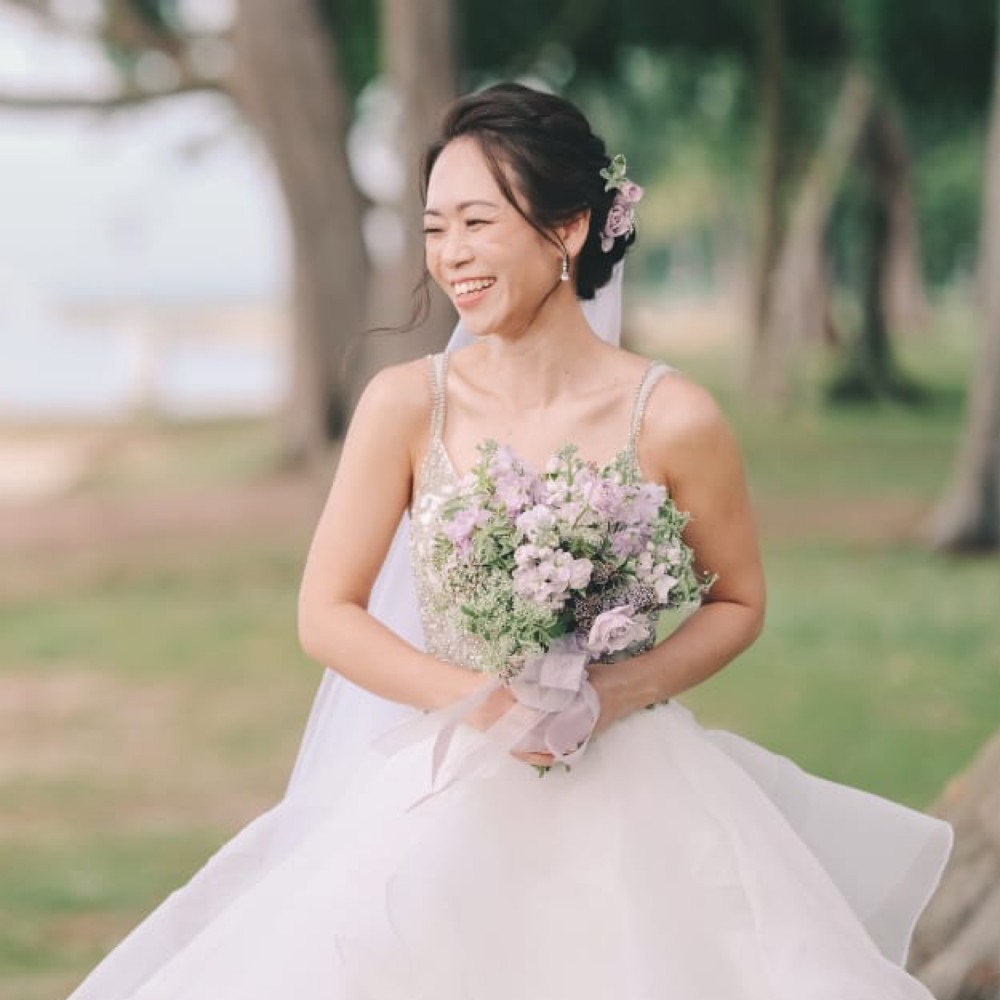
(670, 863)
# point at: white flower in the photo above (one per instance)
(569, 511)
(580, 573)
(537, 523)
(655, 574)
(528, 554)
(545, 576)
(663, 585)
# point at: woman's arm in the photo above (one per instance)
(370, 491)
(687, 444)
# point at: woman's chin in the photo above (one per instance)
(477, 327)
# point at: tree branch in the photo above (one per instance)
(113, 102)
(42, 12)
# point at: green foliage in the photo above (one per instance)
(938, 57)
(948, 179)
(353, 26)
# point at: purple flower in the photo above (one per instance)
(516, 491)
(459, 529)
(616, 630)
(630, 191)
(503, 461)
(619, 222)
(604, 496)
(644, 504)
(626, 542)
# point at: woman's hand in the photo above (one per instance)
(496, 705)
(600, 675)
(602, 679)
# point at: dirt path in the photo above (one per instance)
(281, 503)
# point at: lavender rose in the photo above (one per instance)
(619, 222)
(616, 630)
(630, 191)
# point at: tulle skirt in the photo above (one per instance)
(670, 863)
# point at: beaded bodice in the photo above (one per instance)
(439, 480)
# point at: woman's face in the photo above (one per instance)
(491, 263)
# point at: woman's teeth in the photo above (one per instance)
(477, 285)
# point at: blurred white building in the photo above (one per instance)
(143, 256)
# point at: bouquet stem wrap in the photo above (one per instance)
(555, 712)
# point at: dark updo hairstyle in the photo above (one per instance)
(545, 144)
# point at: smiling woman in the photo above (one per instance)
(498, 270)
(512, 622)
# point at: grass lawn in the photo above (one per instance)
(152, 700)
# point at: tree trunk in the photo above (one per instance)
(419, 58)
(870, 371)
(906, 305)
(799, 308)
(969, 518)
(287, 81)
(772, 157)
(956, 947)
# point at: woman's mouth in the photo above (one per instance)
(471, 290)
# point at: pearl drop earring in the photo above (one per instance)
(564, 274)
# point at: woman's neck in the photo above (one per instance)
(535, 368)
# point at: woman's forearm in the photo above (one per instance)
(701, 646)
(347, 639)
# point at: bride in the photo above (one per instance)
(451, 835)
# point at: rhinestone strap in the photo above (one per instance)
(650, 377)
(439, 373)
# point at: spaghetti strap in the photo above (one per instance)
(438, 374)
(653, 373)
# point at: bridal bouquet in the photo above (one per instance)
(574, 556)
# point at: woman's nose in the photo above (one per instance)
(455, 248)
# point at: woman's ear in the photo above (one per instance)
(573, 234)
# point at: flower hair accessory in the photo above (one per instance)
(621, 215)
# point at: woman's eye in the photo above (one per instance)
(430, 232)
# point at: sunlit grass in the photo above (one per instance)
(880, 668)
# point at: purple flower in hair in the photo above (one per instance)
(621, 215)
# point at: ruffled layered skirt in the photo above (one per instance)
(670, 863)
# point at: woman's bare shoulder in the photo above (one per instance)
(402, 391)
(679, 405)
(684, 424)
(394, 410)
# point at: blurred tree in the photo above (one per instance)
(419, 61)
(293, 70)
(799, 305)
(281, 68)
(887, 258)
(864, 135)
(956, 947)
(667, 81)
(772, 106)
(286, 78)
(969, 518)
